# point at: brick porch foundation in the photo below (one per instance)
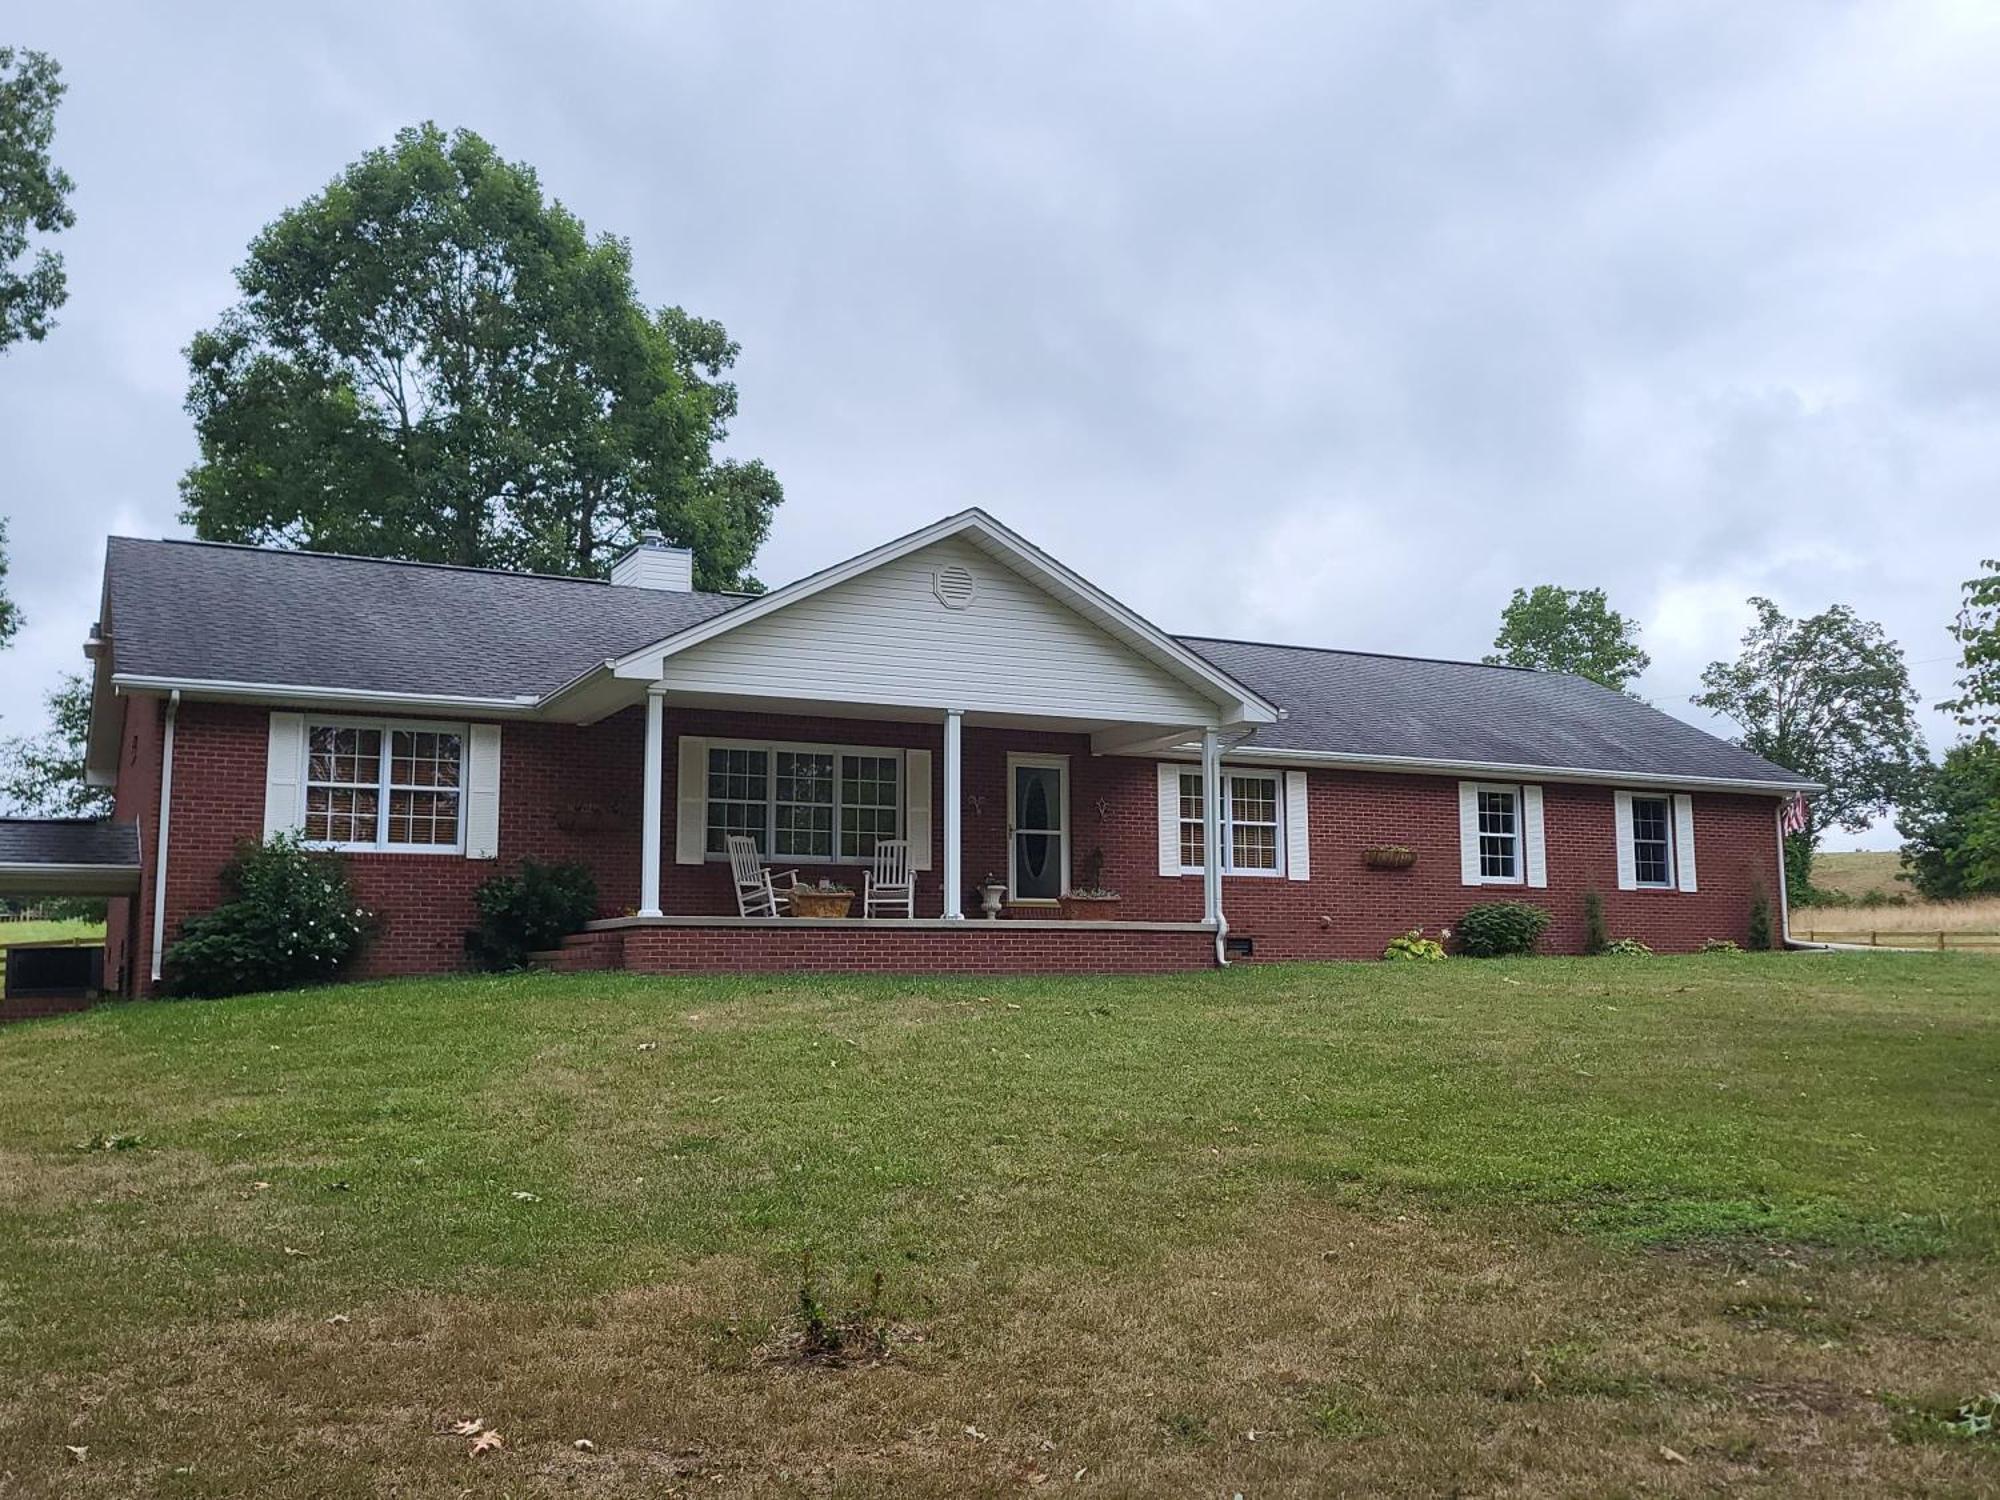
(685, 945)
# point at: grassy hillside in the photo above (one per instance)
(1857, 873)
(1589, 1226)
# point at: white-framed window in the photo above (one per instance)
(1253, 838)
(810, 804)
(1499, 813)
(1653, 842)
(385, 784)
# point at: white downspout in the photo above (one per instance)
(954, 833)
(1211, 842)
(1784, 894)
(160, 834)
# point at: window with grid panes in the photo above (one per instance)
(739, 798)
(1499, 834)
(1251, 823)
(868, 802)
(1652, 841)
(812, 804)
(359, 798)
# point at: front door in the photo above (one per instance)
(1038, 827)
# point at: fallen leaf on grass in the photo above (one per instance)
(338, 1320)
(974, 1433)
(584, 1445)
(77, 1452)
(262, 1187)
(488, 1441)
(468, 1427)
(294, 1250)
(649, 1046)
(527, 1197)
(1672, 1457)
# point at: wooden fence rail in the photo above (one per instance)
(1886, 937)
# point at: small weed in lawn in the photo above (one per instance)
(104, 1142)
(1187, 1426)
(820, 1337)
(1340, 1420)
(1938, 1421)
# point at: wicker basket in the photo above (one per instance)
(1389, 857)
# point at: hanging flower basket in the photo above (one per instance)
(1389, 857)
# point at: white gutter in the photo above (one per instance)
(224, 690)
(1251, 755)
(166, 812)
(1784, 883)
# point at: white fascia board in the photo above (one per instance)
(1250, 755)
(304, 695)
(648, 662)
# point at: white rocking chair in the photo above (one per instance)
(759, 892)
(886, 887)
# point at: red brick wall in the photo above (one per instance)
(570, 792)
(979, 948)
(128, 937)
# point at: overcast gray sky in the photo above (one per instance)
(1327, 324)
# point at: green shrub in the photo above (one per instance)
(1761, 931)
(290, 921)
(1413, 945)
(1501, 929)
(1721, 945)
(530, 910)
(1595, 937)
(1626, 948)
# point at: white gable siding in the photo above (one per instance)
(885, 637)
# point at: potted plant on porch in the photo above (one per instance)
(1090, 901)
(825, 899)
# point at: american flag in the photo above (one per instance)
(1793, 819)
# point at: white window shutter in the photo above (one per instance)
(1298, 840)
(1628, 864)
(284, 772)
(917, 807)
(691, 801)
(1531, 835)
(1170, 818)
(1684, 840)
(1468, 833)
(482, 792)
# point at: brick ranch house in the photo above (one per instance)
(956, 687)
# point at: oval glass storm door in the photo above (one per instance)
(1038, 863)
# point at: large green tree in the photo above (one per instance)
(34, 195)
(1569, 630)
(432, 360)
(1827, 696)
(1977, 631)
(1950, 822)
(42, 775)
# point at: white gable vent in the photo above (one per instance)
(954, 585)
(655, 565)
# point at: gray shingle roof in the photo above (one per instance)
(245, 614)
(68, 841)
(208, 612)
(1354, 703)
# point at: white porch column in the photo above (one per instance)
(954, 881)
(1211, 826)
(649, 833)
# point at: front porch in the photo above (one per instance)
(920, 945)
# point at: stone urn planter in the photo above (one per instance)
(822, 900)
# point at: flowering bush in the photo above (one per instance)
(290, 920)
(1413, 945)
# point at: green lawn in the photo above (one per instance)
(1414, 1227)
(50, 932)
